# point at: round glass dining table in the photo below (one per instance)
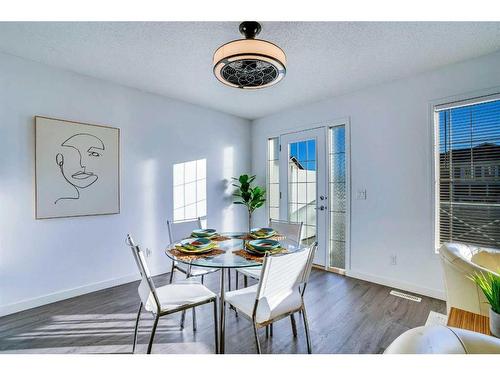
(228, 260)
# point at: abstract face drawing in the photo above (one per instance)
(77, 161)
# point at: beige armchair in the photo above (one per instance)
(443, 340)
(459, 261)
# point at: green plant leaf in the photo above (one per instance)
(490, 285)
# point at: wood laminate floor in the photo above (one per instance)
(345, 315)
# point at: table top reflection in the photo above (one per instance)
(229, 259)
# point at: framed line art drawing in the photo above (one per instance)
(77, 169)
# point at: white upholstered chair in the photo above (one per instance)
(279, 293)
(460, 261)
(292, 232)
(168, 299)
(443, 340)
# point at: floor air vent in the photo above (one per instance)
(406, 296)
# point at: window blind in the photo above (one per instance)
(469, 172)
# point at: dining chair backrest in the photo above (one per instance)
(308, 268)
(146, 287)
(283, 274)
(292, 231)
(179, 230)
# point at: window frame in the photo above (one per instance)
(459, 100)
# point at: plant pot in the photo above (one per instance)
(494, 323)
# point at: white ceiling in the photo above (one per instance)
(175, 58)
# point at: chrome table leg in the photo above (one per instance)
(216, 328)
(222, 308)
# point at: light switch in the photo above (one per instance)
(361, 194)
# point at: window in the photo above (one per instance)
(302, 189)
(190, 190)
(468, 184)
(338, 202)
(273, 178)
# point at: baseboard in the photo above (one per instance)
(65, 294)
(407, 287)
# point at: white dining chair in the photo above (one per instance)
(292, 231)
(279, 293)
(168, 299)
(178, 231)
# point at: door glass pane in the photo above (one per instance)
(302, 186)
(337, 204)
(273, 182)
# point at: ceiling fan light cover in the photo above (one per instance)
(249, 64)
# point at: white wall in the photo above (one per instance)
(45, 260)
(391, 157)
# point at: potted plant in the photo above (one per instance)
(251, 197)
(490, 285)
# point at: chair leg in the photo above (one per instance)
(267, 332)
(216, 328)
(306, 327)
(172, 270)
(271, 329)
(183, 319)
(136, 327)
(245, 281)
(153, 331)
(294, 325)
(257, 343)
(228, 278)
(202, 279)
(236, 281)
(194, 319)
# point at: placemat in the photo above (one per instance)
(186, 257)
(220, 238)
(245, 254)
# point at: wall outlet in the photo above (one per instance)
(394, 260)
(361, 194)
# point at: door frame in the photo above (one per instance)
(346, 121)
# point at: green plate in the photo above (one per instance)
(264, 245)
(249, 249)
(197, 251)
(262, 233)
(196, 243)
(204, 233)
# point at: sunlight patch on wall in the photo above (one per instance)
(228, 173)
(190, 190)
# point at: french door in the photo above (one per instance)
(313, 185)
(303, 186)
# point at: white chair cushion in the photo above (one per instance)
(244, 300)
(253, 272)
(488, 258)
(173, 296)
